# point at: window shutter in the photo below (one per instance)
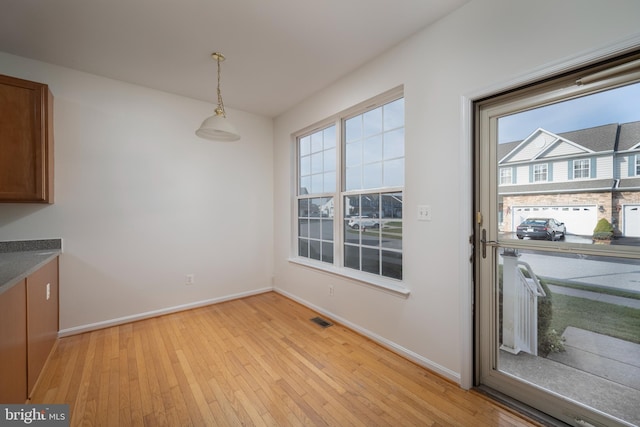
(570, 172)
(550, 172)
(514, 173)
(592, 170)
(632, 165)
(530, 173)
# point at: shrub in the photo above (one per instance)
(548, 339)
(603, 230)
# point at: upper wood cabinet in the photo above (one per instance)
(26, 141)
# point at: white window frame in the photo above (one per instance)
(537, 174)
(637, 164)
(582, 170)
(394, 286)
(506, 176)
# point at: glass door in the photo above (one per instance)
(558, 249)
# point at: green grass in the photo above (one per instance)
(600, 317)
(597, 289)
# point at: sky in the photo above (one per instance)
(621, 105)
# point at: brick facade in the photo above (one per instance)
(610, 202)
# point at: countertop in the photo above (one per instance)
(18, 259)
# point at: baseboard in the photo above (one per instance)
(390, 345)
(155, 313)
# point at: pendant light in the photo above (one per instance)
(217, 127)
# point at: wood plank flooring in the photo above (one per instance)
(253, 361)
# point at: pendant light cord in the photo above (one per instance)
(220, 109)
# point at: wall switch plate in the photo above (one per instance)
(330, 290)
(48, 291)
(424, 213)
(190, 279)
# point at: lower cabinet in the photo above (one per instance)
(42, 319)
(13, 344)
(28, 331)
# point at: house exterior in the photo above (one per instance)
(575, 177)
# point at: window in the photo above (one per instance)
(355, 177)
(315, 228)
(505, 176)
(540, 173)
(638, 165)
(581, 169)
(317, 176)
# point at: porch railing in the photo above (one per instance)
(520, 306)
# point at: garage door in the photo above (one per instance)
(579, 220)
(631, 221)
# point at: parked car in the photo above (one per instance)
(363, 222)
(541, 228)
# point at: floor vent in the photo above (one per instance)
(320, 321)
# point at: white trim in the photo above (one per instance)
(558, 67)
(465, 246)
(466, 206)
(390, 345)
(155, 313)
(388, 285)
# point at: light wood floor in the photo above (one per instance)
(253, 361)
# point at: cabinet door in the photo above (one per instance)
(13, 345)
(26, 141)
(42, 318)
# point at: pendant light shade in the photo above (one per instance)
(218, 127)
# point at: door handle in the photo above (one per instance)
(484, 241)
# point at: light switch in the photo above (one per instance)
(424, 213)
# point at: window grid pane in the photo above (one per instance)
(315, 228)
(581, 169)
(373, 233)
(505, 176)
(374, 152)
(317, 159)
(539, 173)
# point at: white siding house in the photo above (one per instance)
(575, 177)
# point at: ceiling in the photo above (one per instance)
(278, 52)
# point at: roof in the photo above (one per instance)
(609, 137)
(599, 138)
(629, 184)
(629, 136)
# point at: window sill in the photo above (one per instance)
(387, 285)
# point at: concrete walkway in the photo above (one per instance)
(607, 357)
(597, 370)
(590, 372)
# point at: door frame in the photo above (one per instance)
(469, 377)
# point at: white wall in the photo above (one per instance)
(485, 44)
(141, 201)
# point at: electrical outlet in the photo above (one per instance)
(190, 279)
(330, 290)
